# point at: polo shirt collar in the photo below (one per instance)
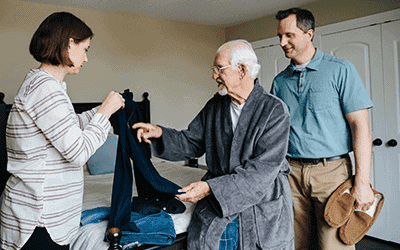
(313, 65)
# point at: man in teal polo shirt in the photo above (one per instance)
(328, 108)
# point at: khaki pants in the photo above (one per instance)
(311, 187)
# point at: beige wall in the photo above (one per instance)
(325, 12)
(170, 60)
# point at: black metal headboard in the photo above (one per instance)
(144, 106)
(80, 107)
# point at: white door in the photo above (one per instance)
(391, 70)
(272, 61)
(363, 47)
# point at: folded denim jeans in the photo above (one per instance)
(155, 229)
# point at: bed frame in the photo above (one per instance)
(144, 105)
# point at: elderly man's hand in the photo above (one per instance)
(194, 192)
(146, 131)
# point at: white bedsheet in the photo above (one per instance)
(97, 192)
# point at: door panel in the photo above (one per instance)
(272, 61)
(391, 69)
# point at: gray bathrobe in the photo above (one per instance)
(247, 171)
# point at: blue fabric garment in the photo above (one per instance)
(230, 237)
(318, 97)
(95, 215)
(155, 229)
(148, 181)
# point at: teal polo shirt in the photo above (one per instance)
(318, 97)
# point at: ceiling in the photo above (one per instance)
(209, 12)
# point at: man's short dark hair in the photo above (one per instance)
(50, 42)
(305, 19)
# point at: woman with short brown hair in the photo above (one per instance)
(48, 143)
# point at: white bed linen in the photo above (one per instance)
(97, 192)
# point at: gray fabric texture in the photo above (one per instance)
(247, 171)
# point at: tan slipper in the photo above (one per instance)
(361, 221)
(340, 205)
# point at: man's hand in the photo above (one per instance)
(194, 192)
(147, 131)
(362, 144)
(364, 196)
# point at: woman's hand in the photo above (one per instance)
(146, 131)
(111, 104)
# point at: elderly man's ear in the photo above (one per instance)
(242, 70)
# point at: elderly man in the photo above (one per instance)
(244, 200)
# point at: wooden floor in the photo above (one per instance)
(370, 243)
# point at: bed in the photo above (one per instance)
(98, 190)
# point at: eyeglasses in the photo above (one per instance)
(218, 69)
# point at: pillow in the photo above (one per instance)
(103, 160)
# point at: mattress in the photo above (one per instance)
(98, 190)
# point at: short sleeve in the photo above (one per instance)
(353, 95)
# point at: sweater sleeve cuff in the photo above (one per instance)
(102, 121)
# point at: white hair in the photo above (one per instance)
(242, 52)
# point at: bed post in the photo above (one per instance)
(114, 236)
(146, 107)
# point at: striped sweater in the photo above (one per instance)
(47, 145)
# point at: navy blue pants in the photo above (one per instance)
(148, 181)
